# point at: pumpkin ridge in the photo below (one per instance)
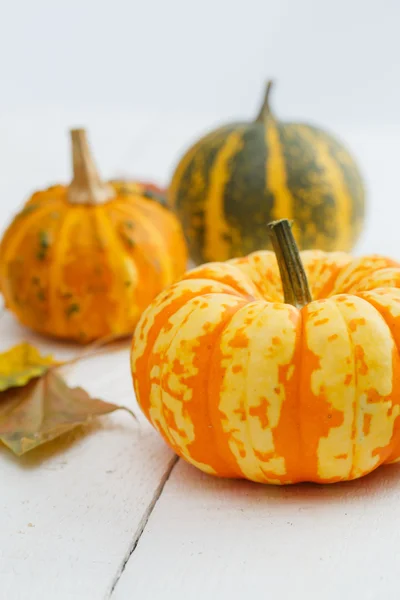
(210, 279)
(372, 297)
(299, 360)
(385, 452)
(325, 417)
(162, 425)
(217, 229)
(214, 385)
(276, 174)
(243, 195)
(264, 276)
(284, 457)
(325, 291)
(157, 240)
(117, 249)
(333, 176)
(313, 208)
(135, 253)
(55, 272)
(246, 408)
(241, 282)
(160, 217)
(166, 310)
(187, 162)
(228, 289)
(184, 449)
(230, 470)
(248, 276)
(138, 203)
(9, 247)
(358, 270)
(187, 193)
(273, 287)
(351, 177)
(361, 361)
(14, 246)
(163, 218)
(78, 267)
(355, 380)
(303, 471)
(281, 464)
(231, 464)
(366, 283)
(388, 277)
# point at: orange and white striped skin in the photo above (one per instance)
(242, 385)
(83, 272)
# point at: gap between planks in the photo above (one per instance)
(142, 525)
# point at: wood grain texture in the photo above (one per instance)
(210, 538)
(71, 509)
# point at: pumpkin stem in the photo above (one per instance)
(86, 186)
(293, 275)
(265, 110)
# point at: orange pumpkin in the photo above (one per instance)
(245, 375)
(81, 262)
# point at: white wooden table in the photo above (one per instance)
(109, 512)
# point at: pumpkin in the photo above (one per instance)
(263, 369)
(145, 188)
(81, 262)
(243, 175)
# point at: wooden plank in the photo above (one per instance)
(210, 538)
(71, 510)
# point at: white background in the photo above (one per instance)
(147, 78)
(337, 62)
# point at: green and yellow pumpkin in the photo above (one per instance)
(243, 175)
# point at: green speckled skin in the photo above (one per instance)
(239, 177)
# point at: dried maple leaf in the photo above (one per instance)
(22, 363)
(44, 409)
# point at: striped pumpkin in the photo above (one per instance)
(242, 384)
(81, 262)
(241, 176)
